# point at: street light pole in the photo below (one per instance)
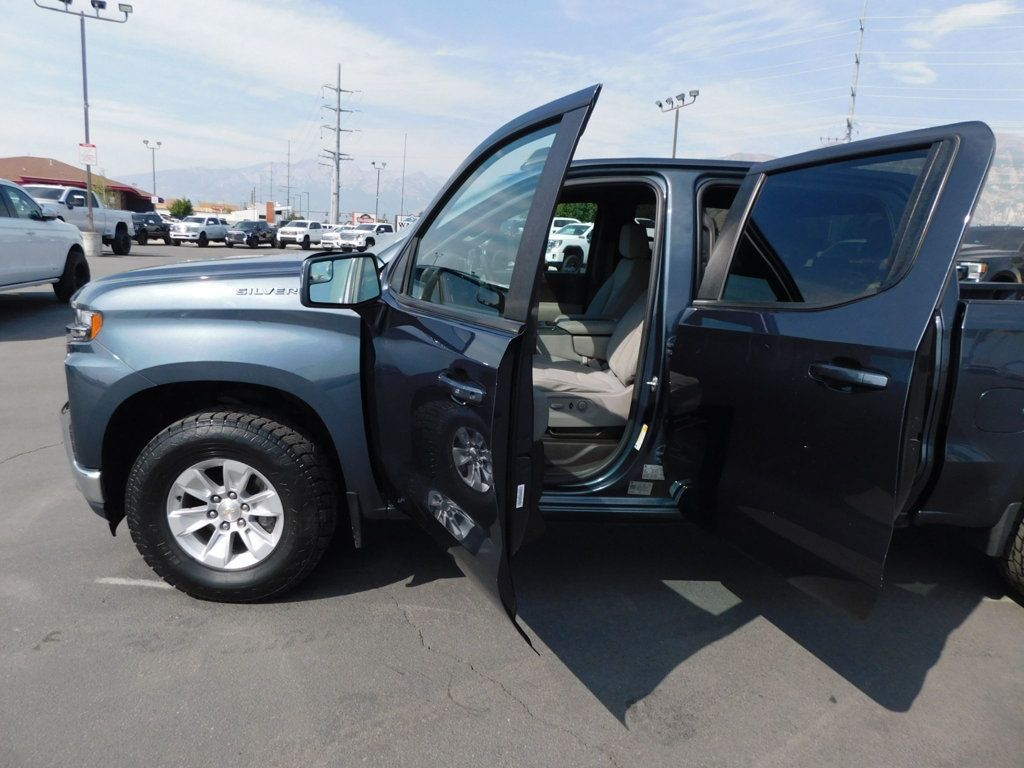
(152, 150)
(376, 205)
(98, 5)
(674, 104)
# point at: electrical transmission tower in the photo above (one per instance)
(848, 136)
(336, 155)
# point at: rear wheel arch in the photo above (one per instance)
(145, 414)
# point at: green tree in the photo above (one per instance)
(583, 211)
(181, 208)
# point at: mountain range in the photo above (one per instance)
(237, 186)
(1002, 201)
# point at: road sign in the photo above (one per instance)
(87, 154)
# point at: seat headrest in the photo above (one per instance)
(633, 242)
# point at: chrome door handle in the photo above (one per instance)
(463, 392)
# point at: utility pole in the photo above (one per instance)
(336, 156)
(123, 8)
(401, 205)
(376, 205)
(288, 175)
(848, 136)
(674, 104)
(152, 150)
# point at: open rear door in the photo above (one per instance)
(453, 342)
(808, 360)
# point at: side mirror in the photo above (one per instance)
(490, 298)
(339, 280)
(71, 206)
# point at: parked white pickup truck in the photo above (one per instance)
(36, 248)
(200, 229)
(69, 204)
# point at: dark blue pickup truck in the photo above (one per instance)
(790, 358)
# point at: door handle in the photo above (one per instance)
(463, 392)
(846, 378)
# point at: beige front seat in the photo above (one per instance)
(620, 291)
(595, 395)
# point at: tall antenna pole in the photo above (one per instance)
(336, 156)
(848, 136)
(288, 176)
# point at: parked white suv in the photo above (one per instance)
(36, 247)
(300, 232)
(200, 229)
(568, 248)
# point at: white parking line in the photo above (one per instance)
(119, 582)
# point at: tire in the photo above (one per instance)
(571, 263)
(169, 241)
(252, 242)
(122, 242)
(142, 239)
(299, 477)
(228, 245)
(305, 243)
(75, 275)
(1011, 563)
(439, 424)
(203, 240)
(175, 243)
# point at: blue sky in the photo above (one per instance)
(227, 83)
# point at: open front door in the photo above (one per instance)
(804, 369)
(453, 343)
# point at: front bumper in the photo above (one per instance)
(89, 481)
(184, 236)
(236, 237)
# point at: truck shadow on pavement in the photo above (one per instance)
(624, 604)
(30, 316)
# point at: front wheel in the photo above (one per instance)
(571, 264)
(305, 243)
(228, 245)
(232, 507)
(175, 242)
(203, 240)
(143, 238)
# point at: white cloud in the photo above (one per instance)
(910, 72)
(968, 15)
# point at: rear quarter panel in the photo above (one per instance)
(982, 470)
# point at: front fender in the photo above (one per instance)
(312, 355)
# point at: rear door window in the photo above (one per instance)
(825, 234)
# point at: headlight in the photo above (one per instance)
(971, 270)
(86, 326)
(552, 244)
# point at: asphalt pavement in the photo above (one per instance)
(655, 644)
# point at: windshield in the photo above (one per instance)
(195, 219)
(368, 227)
(45, 193)
(245, 225)
(300, 224)
(574, 229)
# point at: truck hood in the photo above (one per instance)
(286, 268)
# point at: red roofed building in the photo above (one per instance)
(44, 170)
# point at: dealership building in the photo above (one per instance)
(44, 170)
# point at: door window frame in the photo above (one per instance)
(913, 224)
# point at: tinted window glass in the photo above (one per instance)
(44, 193)
(466, 256)
(24, 207)
(825, 234)
(76, 198)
